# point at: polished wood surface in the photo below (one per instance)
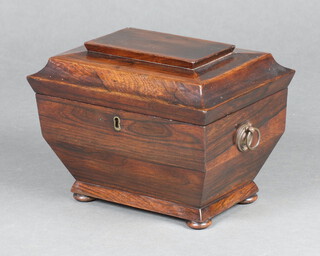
(199, 225)
(179, 103)
(142, 137)
(145, 202)
(249, 200)
(199, 96)
(159, 47)
(176, 161)
(226, 166)
(83, 198)
(149, 155)
(228, 200)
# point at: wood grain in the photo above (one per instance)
(149, 155)
(166, 207)
(228, 200)
(180, 102)
(227, 167)
(142, 137)
(199, 96)
(184, 163)
(159, 47)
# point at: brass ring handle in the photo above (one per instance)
(244, 137)
(252, 131)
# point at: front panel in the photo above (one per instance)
(134, 152)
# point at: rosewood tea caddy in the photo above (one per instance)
(165, 123)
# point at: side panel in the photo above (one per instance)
(150, 155)
(226, 167)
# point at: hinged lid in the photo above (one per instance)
(159, 47)
(174, 77)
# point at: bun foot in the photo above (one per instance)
(83, 198)
(199, 225)
(249, 200)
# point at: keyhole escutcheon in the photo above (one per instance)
(116, 123)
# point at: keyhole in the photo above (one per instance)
(116, 123)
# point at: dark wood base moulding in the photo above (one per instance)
(197, 218)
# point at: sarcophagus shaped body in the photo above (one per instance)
(165, 123)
